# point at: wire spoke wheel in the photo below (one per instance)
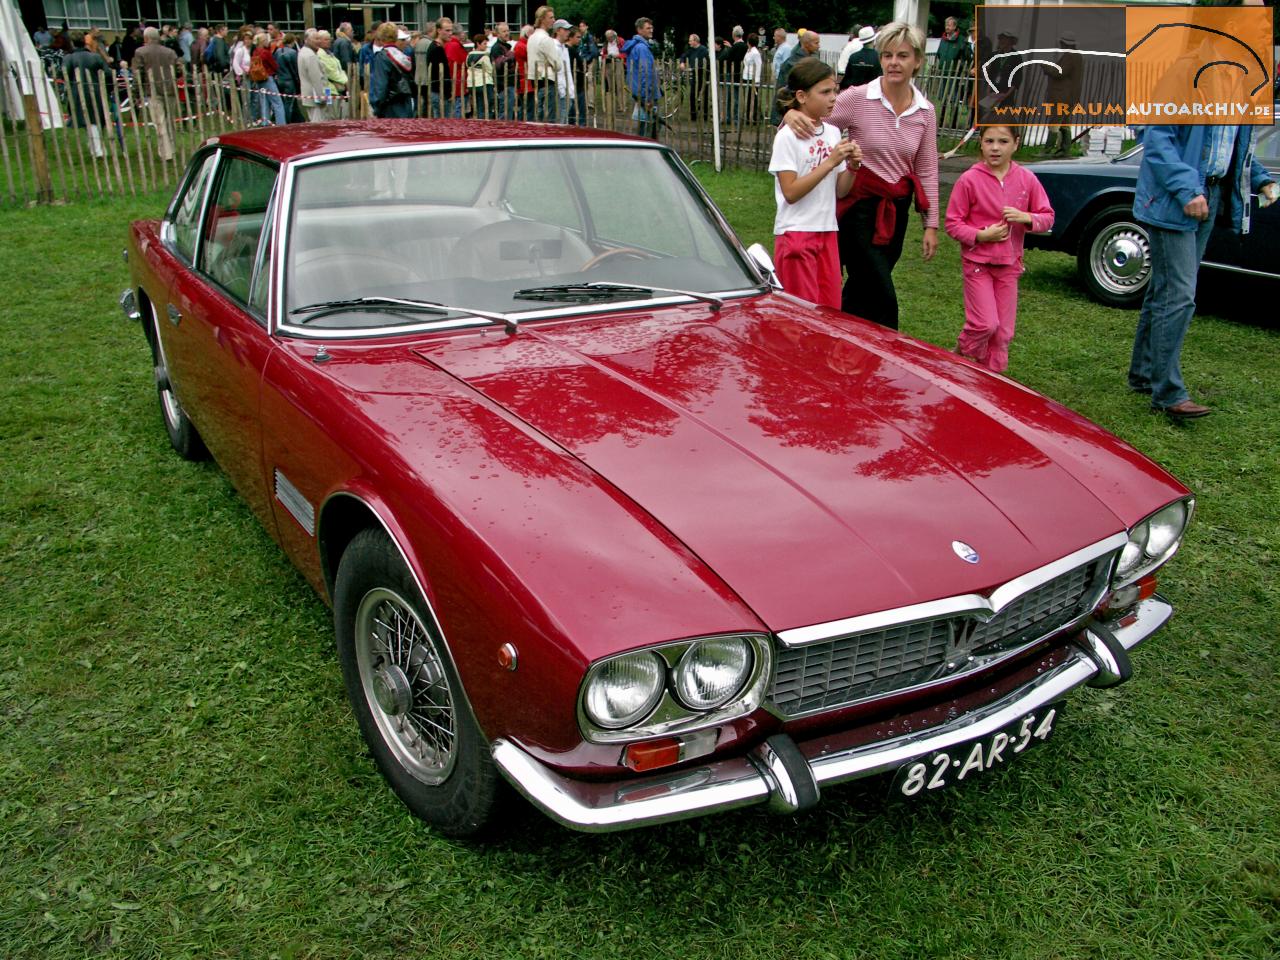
(405, 686)
(406, 693)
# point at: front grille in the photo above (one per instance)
(844, 670)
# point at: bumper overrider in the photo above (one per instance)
(779, 773)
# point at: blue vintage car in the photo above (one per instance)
(1093, 203)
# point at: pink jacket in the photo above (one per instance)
(978, 200)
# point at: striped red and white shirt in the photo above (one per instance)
(893, 146)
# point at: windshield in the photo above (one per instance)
(476, 228)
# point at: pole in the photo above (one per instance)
(715, 85)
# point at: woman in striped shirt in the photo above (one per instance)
(897, 129)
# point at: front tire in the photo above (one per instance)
(1114, 258)
(183, 435)
(406, 694)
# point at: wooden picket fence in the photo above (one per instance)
(142, 138)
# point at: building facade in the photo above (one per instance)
(296, 15)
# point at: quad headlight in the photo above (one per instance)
(711, 672)
(674, 687)
(1153, 541)
(624, 690)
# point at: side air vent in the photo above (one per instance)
(297, 505)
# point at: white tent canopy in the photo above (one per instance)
(23, 67)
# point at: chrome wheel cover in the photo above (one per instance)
(1120, 258)
(405, 686)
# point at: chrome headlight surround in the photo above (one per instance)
(624, 690)
(1153, 542)
(670, 713)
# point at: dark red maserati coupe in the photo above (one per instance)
(605, 515)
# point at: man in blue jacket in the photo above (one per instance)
(1191, 175)
(642, 79)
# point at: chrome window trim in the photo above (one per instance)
(166, 225)
(972, 603)
(225, 156)
(276, 314)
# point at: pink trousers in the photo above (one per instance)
(808, 266)
(990, 310)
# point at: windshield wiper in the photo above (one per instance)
(601, 289)
(396, 304)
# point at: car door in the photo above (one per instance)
(1256, 250)
(221, 318)
(172, 258)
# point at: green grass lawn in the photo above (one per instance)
(181, 776)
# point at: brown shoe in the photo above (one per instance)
(1186, 410)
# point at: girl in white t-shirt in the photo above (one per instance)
(806, 185)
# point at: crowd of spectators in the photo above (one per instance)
(545, 70)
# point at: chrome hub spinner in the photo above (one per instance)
(392, 691)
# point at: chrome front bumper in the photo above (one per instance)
(777, 774)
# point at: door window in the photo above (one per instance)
(235, 223)
(186, 215)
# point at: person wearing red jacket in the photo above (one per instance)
(521, 53)
(457, 56)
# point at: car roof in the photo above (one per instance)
(296, 141)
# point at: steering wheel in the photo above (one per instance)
(604, 255)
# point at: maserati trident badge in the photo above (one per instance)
(964, 551)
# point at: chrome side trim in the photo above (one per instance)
(735, 782)
(972, 603)
(299, 507)
(1231, 269)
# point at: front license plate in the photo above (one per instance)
(968, 760)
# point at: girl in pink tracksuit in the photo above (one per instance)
(992, 205)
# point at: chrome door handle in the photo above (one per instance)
(175, 317)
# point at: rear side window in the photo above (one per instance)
(234, 224)
(186, 216)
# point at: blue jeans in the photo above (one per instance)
(445, 106)
(1168, 307)
(264, 100)
(731, 101)
(646, 118)
(507, 103)
(548, 106)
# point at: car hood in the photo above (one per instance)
(821, 467)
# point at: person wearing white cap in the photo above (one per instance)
(863, 64)
(566, 92)
(848, 50)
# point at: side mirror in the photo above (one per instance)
(760, 257)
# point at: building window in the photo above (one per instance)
(78, 14)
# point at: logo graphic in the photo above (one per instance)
(1139, 65)
(965, 552)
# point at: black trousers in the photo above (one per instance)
(868, 290)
